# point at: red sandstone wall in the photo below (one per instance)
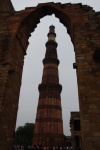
(6, 6)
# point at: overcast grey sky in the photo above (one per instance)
(33, 67)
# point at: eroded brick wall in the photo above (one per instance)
(6, 6)
(11, 64)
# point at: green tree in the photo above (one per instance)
(24, 134)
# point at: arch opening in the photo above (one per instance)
(65, 55)
(42, 11)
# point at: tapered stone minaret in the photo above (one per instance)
(48, 130)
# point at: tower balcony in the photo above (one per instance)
(50, 86)
(50, 60)
(51, 42)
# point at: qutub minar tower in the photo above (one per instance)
(48, 129)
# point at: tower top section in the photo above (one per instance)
(52, 29)
(51, 35)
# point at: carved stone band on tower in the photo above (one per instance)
(49, 125)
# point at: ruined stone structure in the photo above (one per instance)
(83, 26)
(48, 130)
(75, 130)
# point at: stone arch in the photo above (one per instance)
(83, 24)
(39, 12)
(45, 10)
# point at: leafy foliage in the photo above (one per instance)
(24, 134)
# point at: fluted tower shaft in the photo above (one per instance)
(49, 125)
